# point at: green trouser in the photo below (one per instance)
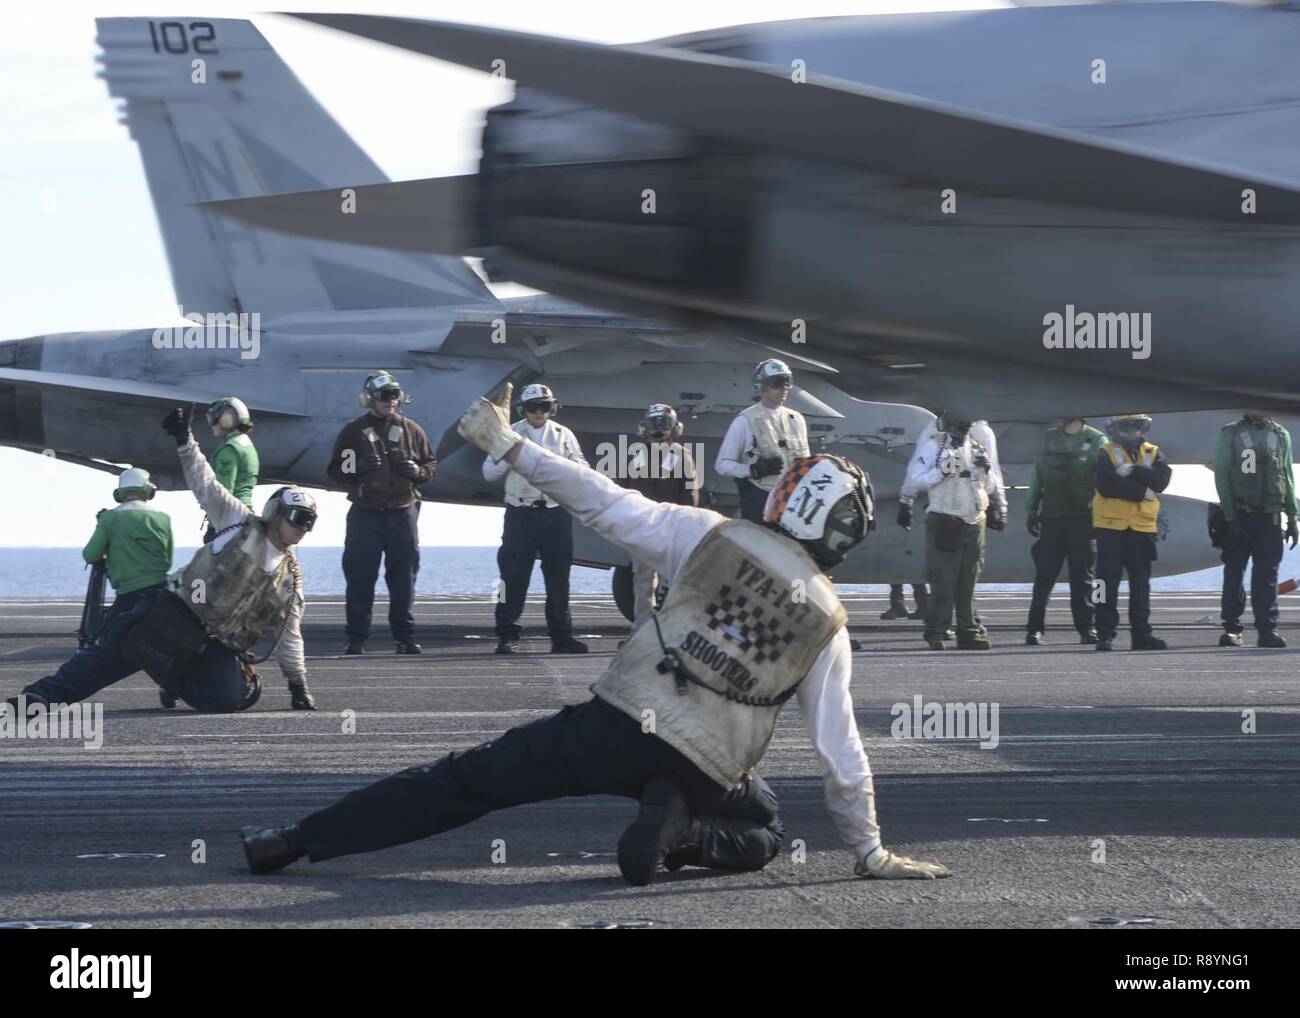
(952, 576)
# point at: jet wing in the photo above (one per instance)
(126, 387)
(879, 130)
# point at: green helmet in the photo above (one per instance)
(378, 382)
(232, 403)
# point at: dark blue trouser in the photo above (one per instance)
(216, 684)
(1118, 552)
(394, 535)
(589, 749)
(1063, 540)
(753, 500)
(1255, 538)
(529, 532)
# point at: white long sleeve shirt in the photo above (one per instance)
(739, 448)
(224, 510)
(662, 536)
(554, 437)
(960, 495)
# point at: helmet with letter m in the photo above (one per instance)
(824, 502)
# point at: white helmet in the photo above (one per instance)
(292, 503)
(825, 503)
(538, 393)
(133, 482)
(768, 371)
(660, 417)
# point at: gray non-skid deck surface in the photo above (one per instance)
(1142, 751)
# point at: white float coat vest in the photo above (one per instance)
(518, 490)
(231, 592)
(746, 617)
(954, 495)
(781, 432)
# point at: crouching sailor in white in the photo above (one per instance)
(688, 705)
(195, 635)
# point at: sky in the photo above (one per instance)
(81, 248)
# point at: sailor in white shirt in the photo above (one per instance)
(535, 525)
(687, 706)
(763, 440)
(962, 477)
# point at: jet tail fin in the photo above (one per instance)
(217, 115)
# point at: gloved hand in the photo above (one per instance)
(1124, 469)
(1035, 526)
(1150, 496)
(368, 463)
(487, 425)
(765, 466)
(407, 468)
(904, 516)
(949, 463)
(177, 424)
(996, 518)
(883, 864)
(1292, 533)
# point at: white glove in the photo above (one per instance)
(883, 864)
(1150, 496)
(1124, 469)
(487, 425)
(949, 463)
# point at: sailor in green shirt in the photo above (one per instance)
(1252, 472)
(235, 462)
(1058, 507)
(135, 540)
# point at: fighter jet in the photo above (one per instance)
(293, 324)
(987, 208)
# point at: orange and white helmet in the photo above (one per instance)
(825, 503)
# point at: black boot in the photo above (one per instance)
(166, 698)
(690, 852)
(660, 826)
(355, 647)
(409, 647)
(272, 848)
(567, 645)
(507, 646)
(300, 697)
(1270, 639)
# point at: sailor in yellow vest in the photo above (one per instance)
(1130, 474)
(194, 635)
(763, 440)
(688, 705)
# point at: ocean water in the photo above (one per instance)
(465, 572)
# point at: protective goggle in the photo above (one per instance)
(389, 394)
(1134, 427)
(303, 519)
(538, 406)
(780, 382)
(215, 411)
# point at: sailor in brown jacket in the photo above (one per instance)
(382, 459)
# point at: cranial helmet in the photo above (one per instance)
(769, 372)
(825, 503)
(537, 392)
(293, 504)
(378, 382)
(661, 417)
(1129, 429)
(134, 483)
(232, 403)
